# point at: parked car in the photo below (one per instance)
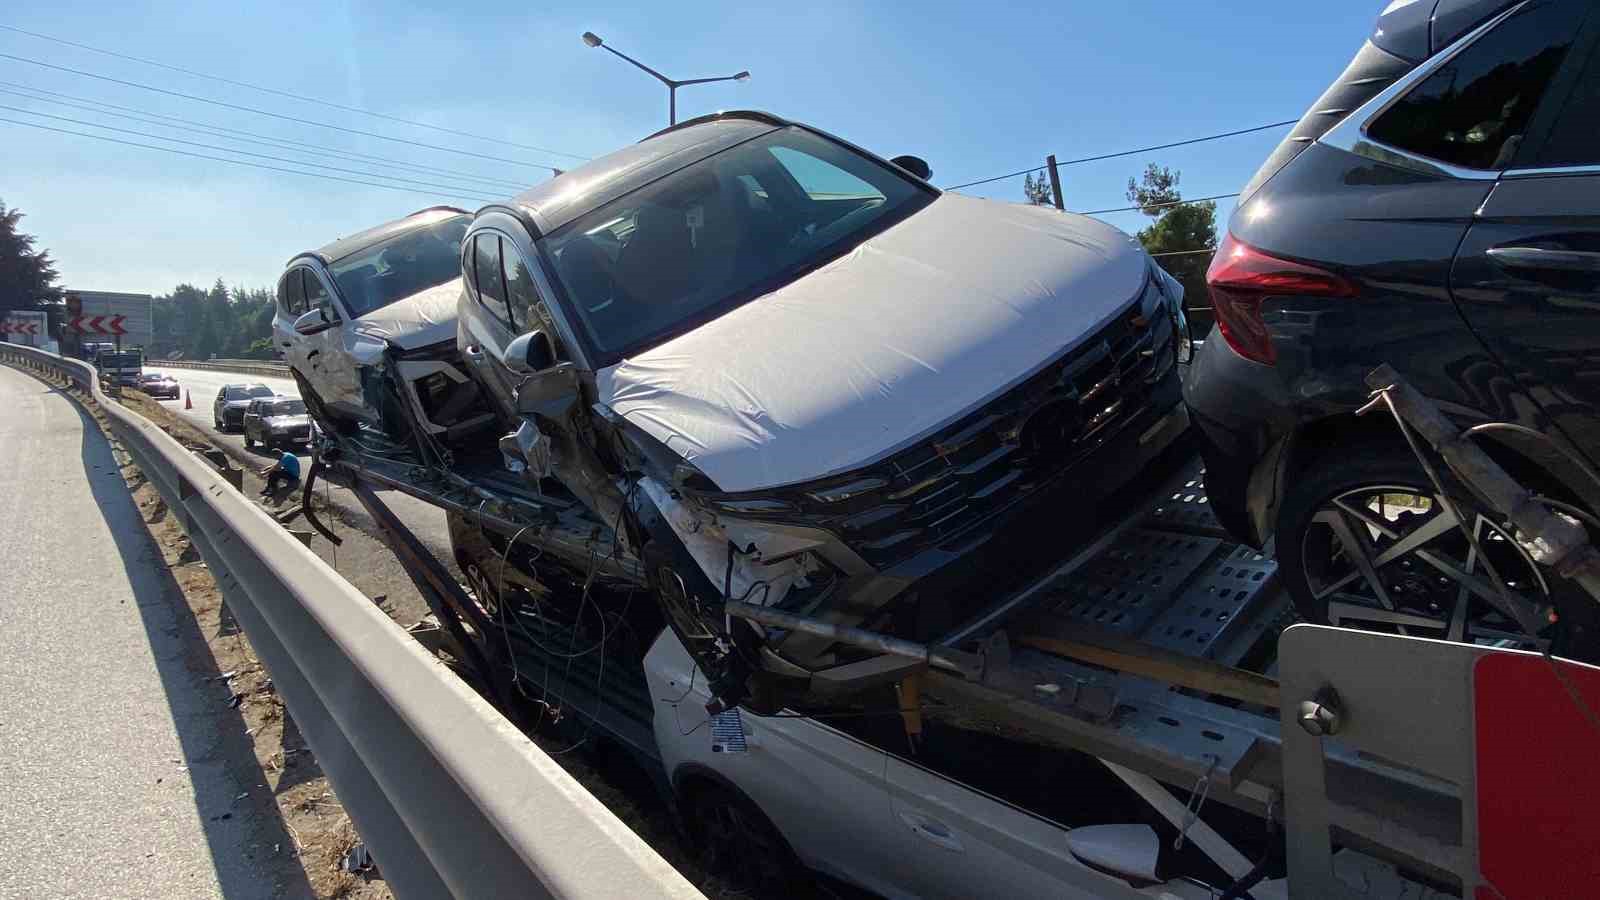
(367, 327)
(276, 422)
(1436, 210)
(159, 385)
(797, 374)
(227, 410)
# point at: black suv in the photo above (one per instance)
(1437, 209)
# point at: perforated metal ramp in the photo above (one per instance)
(1171, 578)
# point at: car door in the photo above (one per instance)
(488, 322)
(822, 788)
(291, 304)
(1527, 276)
(218, 405)
(956, 841)
(330, 368)
(252, 419)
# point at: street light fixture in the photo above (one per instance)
(593, 40)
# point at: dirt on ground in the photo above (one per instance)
(306, 800)
(319, 828)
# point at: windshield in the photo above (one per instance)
(121, 361)
(284, 408)
(720, 232)
(248, 392)
(401, 266)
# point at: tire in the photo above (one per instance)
(737, 841)
(1342, 512)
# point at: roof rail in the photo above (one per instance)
(751, 114)
(442, 206)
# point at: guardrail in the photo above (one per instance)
(242, 366)
(453, 800)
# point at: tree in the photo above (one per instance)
(1037, 190)
(1182, 232)
(27, 276)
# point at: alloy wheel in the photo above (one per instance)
(1391, 557)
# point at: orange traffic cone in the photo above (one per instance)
(188, 401)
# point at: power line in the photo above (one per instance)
(1185, 143)
(1185, 252)
(957, 187)
(247, 136)
(237, 162)
(263, 112)
(1096, 212)
(296, 162)
(1088, 159)
(291, 96)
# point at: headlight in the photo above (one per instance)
(1172, 290)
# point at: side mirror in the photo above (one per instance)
(916, 165)
(313, 322)
(530, 353)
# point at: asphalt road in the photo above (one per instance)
(202, 385)
(120, 769)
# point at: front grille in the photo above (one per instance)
(298, 432)
(939, 488)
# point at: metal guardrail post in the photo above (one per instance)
(453, 800)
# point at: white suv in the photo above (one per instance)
(367, 325)
(800, 376)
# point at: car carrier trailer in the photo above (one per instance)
(1158, 645)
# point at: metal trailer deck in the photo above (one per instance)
(1086, 659)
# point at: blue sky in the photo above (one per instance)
(976, 89)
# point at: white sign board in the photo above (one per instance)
(29, 327)
(134, 308)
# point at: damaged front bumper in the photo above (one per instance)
(810, 573)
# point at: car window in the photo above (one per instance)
(283, 408)
(291, 293)
(401, 266)
(1575, 139)
(528, 309)
(316, 294)
(1473, 110)
(697, 243)
(822, 180)
(488, 278)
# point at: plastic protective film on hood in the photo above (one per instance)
(897, 338)
(424, 318)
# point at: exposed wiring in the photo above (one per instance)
(605, 632)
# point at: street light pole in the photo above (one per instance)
(593, 40)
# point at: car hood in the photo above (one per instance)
(286, 421)
(897, 338)
(424, 318)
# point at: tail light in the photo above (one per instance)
(1240, 277)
